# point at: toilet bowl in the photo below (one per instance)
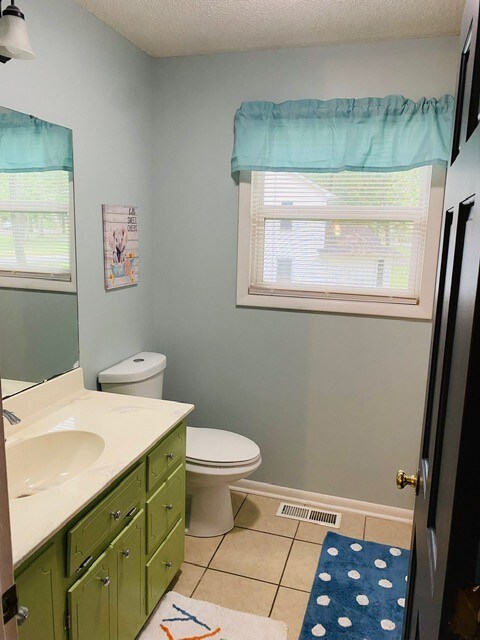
(215, 459)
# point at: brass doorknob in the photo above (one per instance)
(403, 480)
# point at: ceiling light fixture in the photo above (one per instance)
(14, 41)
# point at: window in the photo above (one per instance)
(36, 231)
(349, 242)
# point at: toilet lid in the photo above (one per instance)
(216, 446)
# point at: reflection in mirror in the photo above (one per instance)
(38, 299)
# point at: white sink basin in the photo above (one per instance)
(43, 462)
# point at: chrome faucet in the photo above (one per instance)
(10, 416)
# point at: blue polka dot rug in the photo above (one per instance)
(358, 592)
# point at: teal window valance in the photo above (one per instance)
(366, 134)
(29, 144)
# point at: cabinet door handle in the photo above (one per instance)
(131, 512)
(22, 616)
(84, 564)
(168, 564)
(168, 507)
(126, 553)
(105, 581)
(170, 455)
(116, 515)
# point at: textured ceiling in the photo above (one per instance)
(187, 27)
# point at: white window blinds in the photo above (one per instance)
(348, 235)
(35, 225)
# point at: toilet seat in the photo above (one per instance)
(220, 449)
(224, 465)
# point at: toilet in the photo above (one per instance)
(215, 458)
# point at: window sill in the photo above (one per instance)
(37, 284)
(379, 309)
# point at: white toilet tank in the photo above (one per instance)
(140, 375)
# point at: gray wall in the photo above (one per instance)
(38, 333)
(91, 79)
(335, 402)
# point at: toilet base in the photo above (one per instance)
(211, 512)
(208, 491)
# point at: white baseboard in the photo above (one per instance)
(323, 500)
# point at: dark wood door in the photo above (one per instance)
(447, 514)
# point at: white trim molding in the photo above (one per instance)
(421, 311)
(322, 500)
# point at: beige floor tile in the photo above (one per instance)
(237, 500)
(252, 554)
(259, 513)
(235, 592)
(187, 579)
(200, 550)
(290, 607)
(301, 565)
(388, 532)
(352, 525)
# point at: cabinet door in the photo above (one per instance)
(129, 551)
(92, 601)
(165, 508)
(38, 591)
(164, 564)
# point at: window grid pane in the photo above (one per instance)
(344, 235)
(35, 233)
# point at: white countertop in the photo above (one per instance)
(9, 387)
(129, 426)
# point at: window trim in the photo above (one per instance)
(49, 284)
(421, 311)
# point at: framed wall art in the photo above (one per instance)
(120, 245)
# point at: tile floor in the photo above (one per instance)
(266, 564)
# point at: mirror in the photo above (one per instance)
(38, 288)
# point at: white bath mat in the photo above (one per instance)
(181, 618)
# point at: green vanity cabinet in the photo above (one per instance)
(104, 572)
(38, 587)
